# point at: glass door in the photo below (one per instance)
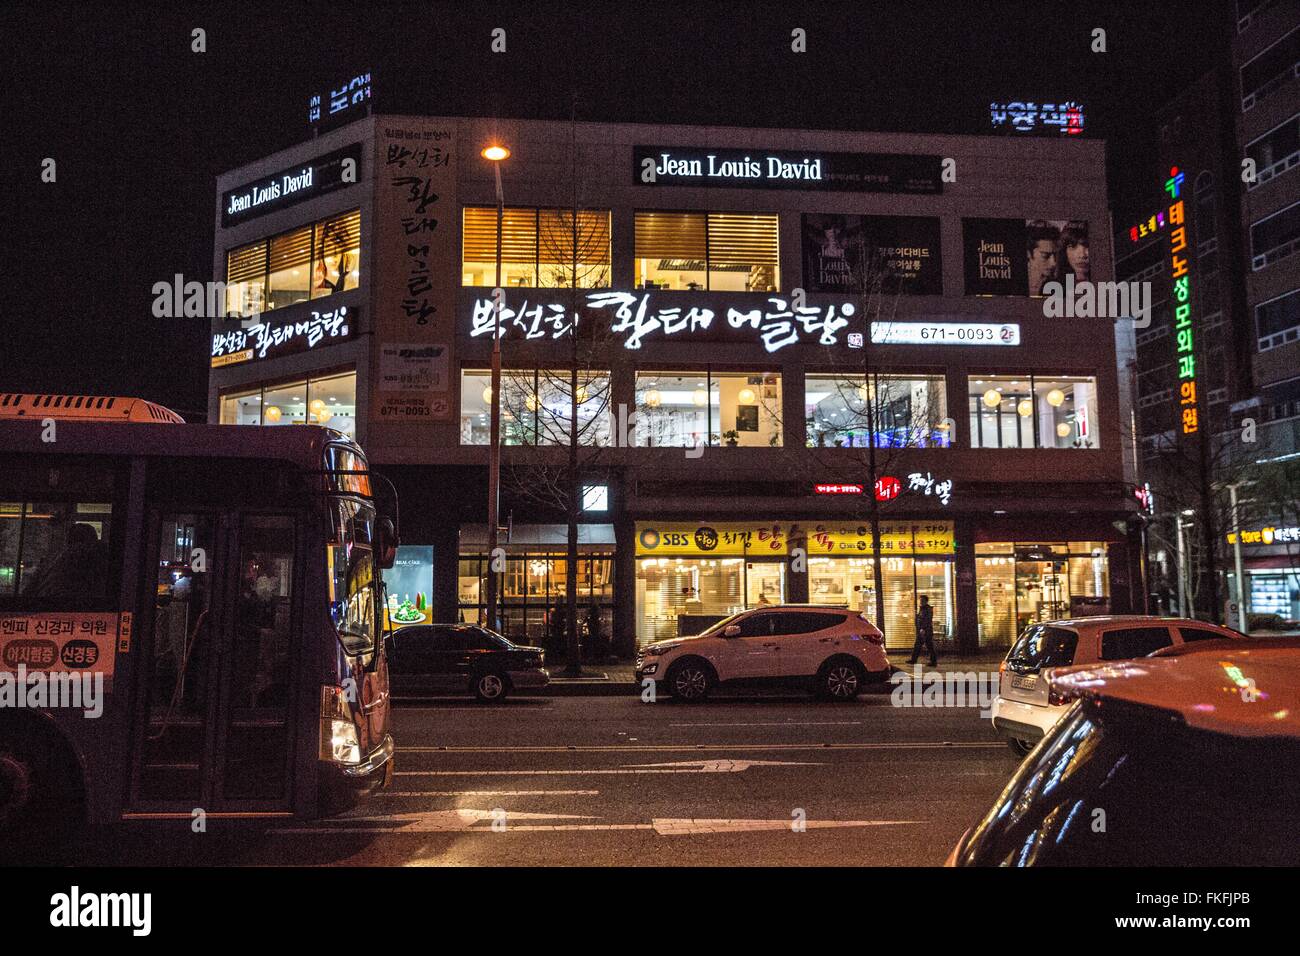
(217, 684)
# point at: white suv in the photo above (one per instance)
(833, 651)
(1025, 709)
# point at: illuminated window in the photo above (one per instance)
(536, 407)
(686, 409)
(737, 252)
(540, 248)
(309, 262)
(595, 497)
(1033, 411)
(908, 411)
(328, 401)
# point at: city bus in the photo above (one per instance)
(188, 618)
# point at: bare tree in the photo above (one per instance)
(569, 406)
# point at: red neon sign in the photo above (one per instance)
(888, 488)
(842, 489)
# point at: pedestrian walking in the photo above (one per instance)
(924, 632)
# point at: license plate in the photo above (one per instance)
(1025, 682)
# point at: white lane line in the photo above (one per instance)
(483, 793)
(647, 748)
(469, 820)
(772, 723)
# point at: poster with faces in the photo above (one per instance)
(1020, 256)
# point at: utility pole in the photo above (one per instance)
(496, 154)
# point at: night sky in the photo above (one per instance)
(140, 126)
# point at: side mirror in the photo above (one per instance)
(386, 543)
(731, 630)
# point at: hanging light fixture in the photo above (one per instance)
(747, 396)
(700, 397)
(487, 395)
(582, 394)
(1055, 398)
(272, 413)
(530, 402)
(653, 398)
(317, 406)
(1025, 408)
(1063, 429)
(992, 398)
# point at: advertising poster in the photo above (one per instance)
(62, 642)
(1020, 256)
(410, 586)
(842, 252)
(414, 233)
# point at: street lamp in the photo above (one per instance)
(496, 154)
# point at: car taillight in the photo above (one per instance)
(339, 742)
(1002, 668)
(878, 639)
(1058, 698)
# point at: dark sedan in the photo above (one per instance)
(461, 658)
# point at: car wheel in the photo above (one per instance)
(1019, 747)
(490, 687)
(839, 680)
(690, 680)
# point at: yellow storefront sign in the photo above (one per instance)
(744, 539)
(896, 538)
(730, 539)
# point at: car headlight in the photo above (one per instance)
(658, 650)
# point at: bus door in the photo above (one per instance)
(216, 729)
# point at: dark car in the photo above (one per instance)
(1188, 759)
(461, 658)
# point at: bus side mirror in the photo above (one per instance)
(386, 543)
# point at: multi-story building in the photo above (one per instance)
(1234, 138)
(1266, 64)
(729, 368)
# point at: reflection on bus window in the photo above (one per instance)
(54, 556)
(352, 576)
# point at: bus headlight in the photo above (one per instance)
(344, 746)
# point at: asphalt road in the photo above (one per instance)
(614, 781)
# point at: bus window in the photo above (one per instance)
(352, 576)
(54, 556)
(183, 652)
(257, 745)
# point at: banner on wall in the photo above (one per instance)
(902, 250)
(1020, 256)
(728, 539)
(896, 538)
(414, 233)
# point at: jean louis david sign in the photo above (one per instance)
(785, 169)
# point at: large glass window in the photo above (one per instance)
(533, 590)
(852, 582)
(1270, 70)
(682, 596)
(737, 252)
(1033, 411)
(1276, 151)
(536, 407)
(309, 262)
(685, 409)
(328, 401)
(1019, 584)
(540, 248)
(908, 411)
(54, 556)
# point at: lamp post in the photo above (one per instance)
(1243, 609)
(495, 154)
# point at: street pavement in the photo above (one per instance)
(574, 781)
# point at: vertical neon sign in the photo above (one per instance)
(1184, 343)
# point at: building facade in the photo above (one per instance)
(744, 320)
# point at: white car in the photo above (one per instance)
(832, 651)
(1025, 709)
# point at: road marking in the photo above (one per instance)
(775, 723)
(483, 793)
(725, 766)
(697, 827)
(670, 748)
(469, 820)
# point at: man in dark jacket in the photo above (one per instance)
(924, 632)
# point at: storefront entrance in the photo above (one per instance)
(1018, 584)
(851, 582)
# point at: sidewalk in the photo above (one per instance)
(616, 678)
